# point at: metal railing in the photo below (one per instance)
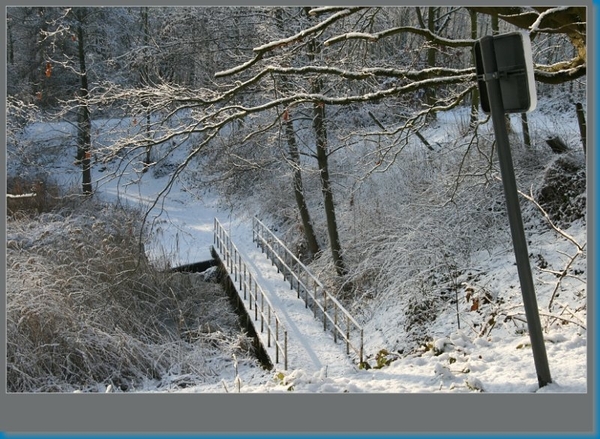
(308, 287)
(252, 292)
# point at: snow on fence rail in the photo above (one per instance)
(252, 293)
(308, 286)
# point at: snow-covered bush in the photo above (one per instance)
(562, 192)
(86, 310)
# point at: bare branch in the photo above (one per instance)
(297, 38)
(558, 230)
(307, 32)
(434, 38)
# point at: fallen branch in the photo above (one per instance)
(566, 309)
(580, 248)
(545, 314)
(562, 275)
(558, 230)
(564, 319)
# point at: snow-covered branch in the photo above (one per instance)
(309, 31)
(434, 38)
(298, 37)
(560, 72)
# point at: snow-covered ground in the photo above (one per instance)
(457, 362)
(483, 355)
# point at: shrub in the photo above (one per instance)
(85, 309)
(562, 193)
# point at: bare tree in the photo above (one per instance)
(84, 121)
(331, 77)
(307, 225)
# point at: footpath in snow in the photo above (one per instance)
(183, 232)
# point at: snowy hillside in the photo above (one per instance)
(434, 281)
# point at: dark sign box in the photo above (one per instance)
(515, 73)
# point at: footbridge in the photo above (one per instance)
(299, 323)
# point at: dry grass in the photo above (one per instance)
(31, 196)
(85, 309)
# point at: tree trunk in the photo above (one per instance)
(85, 121)
(582, 126)
(525, 126)
(145, 79)
(430, 96)
(11, 45)
(309, 232)
(323, 161)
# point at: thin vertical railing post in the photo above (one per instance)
(231, 255)
(324, 310)
(306, 287)
(241, 265)
(290, 265)
(348, 335)
(269, 328)
(306, 296)
(297, 274)
(262, 312)
(219, 234)
(285, 349)
(361, 346)
(228, 255)
(245, 280)
(256, 307)
(335, 324)
(276, 341)
(249, 284)
(250, 299)
(234, 265)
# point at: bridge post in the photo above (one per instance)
(285, 348)
(276, 341)
(324, 310)
(269, 327)
(347, 335)
(262, 313)
(255, 308)
(361, 346)
(335, 323)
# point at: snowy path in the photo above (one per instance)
(183, 234)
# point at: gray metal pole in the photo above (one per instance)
(514, 210)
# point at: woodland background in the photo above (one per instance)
(355, 132)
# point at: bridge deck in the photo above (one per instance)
(309, 347)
